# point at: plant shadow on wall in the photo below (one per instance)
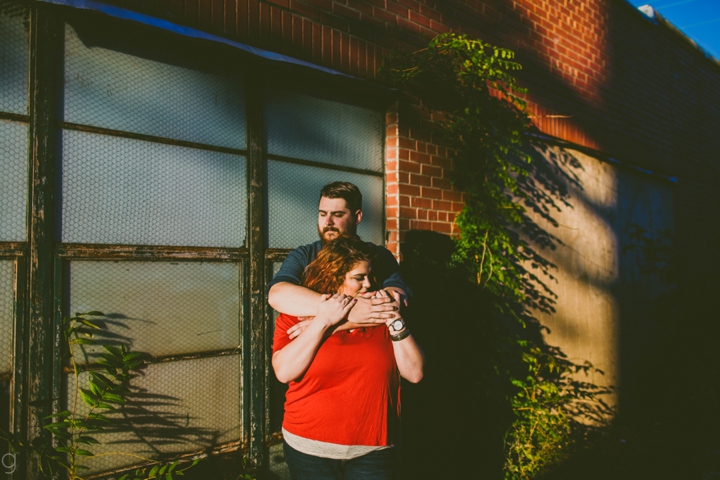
(108, 421)
(496, 400)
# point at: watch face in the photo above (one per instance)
(398, 325)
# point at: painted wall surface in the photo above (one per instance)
(603, 287)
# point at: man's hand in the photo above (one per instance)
(372, 309)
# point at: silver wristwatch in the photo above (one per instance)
(397, 325)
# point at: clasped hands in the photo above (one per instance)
(370, 309)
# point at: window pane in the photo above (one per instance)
(7, 303)
(116, 90)
(162, 308)
(174, 407)
(293, 193)
(13, 180)
(304, 127)
(13, 61)
(123, 191)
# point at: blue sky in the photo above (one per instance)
(698, 19)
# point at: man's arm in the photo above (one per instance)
(294, 300)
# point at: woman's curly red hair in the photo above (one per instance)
(326, 274)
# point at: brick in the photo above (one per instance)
(432, 215)
(421, 180)
(409, 190)
(411, 167)
(420, 157)
(345, 12)
(442, 205)
(403, 177)
(392, 211)
(407, 143)
(441, 183)
(408, 212)
(422, 214)
(397, 9)
(430, 192)
(361, 6)
(421, 202)
(419, 19)
(443, 162)
(452, 195)
(441, 227)
(385, 16)
(404, 201)
(421, 225)
(431, 170)
(457, 206)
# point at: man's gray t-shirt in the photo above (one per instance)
(385, 267)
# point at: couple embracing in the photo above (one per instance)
(342, 345)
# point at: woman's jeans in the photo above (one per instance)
(377, 465)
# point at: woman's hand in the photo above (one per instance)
(291, 361)
(333, 309)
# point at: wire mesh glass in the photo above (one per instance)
(308, 128)
(13, 180)
(293, 194)
(14, 59)
(7, 307)
(121, 91)
(161, 308)
(124, 191)
(181, 406)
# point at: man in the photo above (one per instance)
(339, 212)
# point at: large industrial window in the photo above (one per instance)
(14, 122)
(153, 175)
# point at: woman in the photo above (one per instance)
(342, 405)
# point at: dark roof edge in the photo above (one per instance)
(124, 14)
(653, 16)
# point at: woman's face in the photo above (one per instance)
(357, 280)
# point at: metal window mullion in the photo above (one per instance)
(255, 361)
(46, 47)
(148, 252)
(151, 138)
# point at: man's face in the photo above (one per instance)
(334, 219)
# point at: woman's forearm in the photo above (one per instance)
(410, 359)
(293, 360)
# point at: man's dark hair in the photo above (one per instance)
(345, 190)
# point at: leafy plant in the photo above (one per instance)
(481, 116)
(108, 385)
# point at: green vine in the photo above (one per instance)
(469, 85)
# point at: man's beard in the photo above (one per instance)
(351, 230)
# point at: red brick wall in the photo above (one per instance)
(600, 75)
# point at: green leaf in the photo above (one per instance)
(83, 453)
(93, 313)
(153, 471)
(64, 413)
(87, 440)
